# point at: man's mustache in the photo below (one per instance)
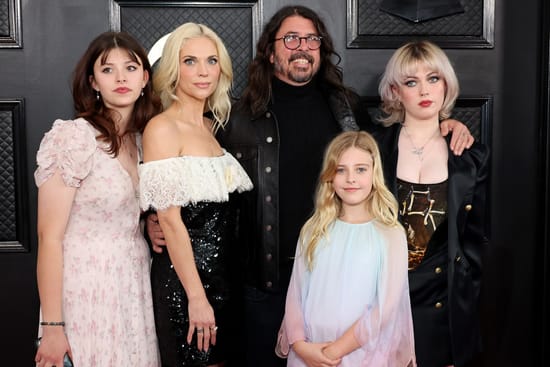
(301, 55)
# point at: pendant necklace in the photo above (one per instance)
(418, 151)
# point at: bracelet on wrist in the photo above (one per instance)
(52, 323)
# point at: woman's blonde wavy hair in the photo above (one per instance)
(167, 75)
(403, 63)
(381, 203)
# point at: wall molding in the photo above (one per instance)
(14, 205)
(370, 27)
(10, 21)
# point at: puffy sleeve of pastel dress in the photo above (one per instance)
(358, 279)
(67, 147)
(107, 300)
(206, 189)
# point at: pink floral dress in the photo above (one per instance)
(107, 303)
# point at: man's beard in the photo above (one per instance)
(291, 73)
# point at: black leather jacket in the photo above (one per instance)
(466, 241)
(254, 141)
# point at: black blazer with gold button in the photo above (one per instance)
(467, 235)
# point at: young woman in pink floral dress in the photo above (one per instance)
(93, 263)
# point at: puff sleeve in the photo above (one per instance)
(68, 148)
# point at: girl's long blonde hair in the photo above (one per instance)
(381, 203)
(166, 77)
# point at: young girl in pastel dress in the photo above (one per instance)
(348, 300)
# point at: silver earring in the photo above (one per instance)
(142, 92)
(97, 95)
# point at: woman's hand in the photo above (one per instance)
(203, 322)
(53, 346)
(312, 354)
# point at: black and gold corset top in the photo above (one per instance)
(422, 208)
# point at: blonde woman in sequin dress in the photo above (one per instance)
(190, 181)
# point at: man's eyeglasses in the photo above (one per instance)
(293, 41)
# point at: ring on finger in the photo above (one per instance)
(200, 330)
(213, 328)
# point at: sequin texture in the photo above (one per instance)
(210, 226)
(205, 188)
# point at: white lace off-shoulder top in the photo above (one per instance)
(182, 180)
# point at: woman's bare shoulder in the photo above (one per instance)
(161, 125)
(161, 138)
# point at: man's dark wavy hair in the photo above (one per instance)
(257, 93)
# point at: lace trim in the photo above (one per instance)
(183, 180)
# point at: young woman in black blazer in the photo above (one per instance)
(442, 203)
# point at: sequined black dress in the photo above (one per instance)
(204, 188)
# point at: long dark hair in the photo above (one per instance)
(94, 111)
(257, 93)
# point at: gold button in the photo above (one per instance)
(268, 227)
(269, 139)
(268, 114)
(268, 169)
(438, 270)
(438, 305)
(269, 284)
(239, 155)
(458, 258)
(468, 207)
(268, 198)
(268, 257)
